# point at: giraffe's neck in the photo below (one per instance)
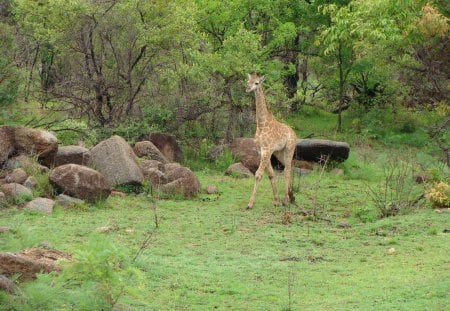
(262, 112)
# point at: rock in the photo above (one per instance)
(80, 182)
(422, 178)
(171, 166)
(73, 155)
(217, 151)
(7, 285)
(146, 164)
(149, 150)
(303, 164)
(344, 225)
(15, 190)
(35, 141)
(41, 204)
(68, 201)
(337, 171)
(4, 229)
(238, 170)
(302, 171)
(29, 262)
(31, 182)
(245, 149)
(7, 143)
(166, 144)
(391, 251)
(24, 161)
(211, 189)
(119, 194)
(154, 176)
(317, 150)
(17, 176)
(115, 159)
(181, 180)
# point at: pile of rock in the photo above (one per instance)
(81, 174)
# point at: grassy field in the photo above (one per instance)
(211, 253)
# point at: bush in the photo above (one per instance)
(439, 195)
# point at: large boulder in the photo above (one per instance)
(247, 152)
(115, 159)
(148, 150)
(29, 262)
(35, 141)
(317, 150)
(73, 155)
(80, 182)
(7, 143)
(166, 144)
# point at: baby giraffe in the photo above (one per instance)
(272, 137)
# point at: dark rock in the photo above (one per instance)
(80, 182)
(318, 150)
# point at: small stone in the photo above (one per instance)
(119, 194)
(302, 171)
(41, 204)
(238, 170)
(211, 189)
(31, 182)
(104, 229)
(4, 229)
(344, 225)
(391, 251)
(337, 171)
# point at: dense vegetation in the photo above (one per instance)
(373, 73)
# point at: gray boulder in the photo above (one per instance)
(72, 155)
(80, 182)
(68, 201)
(41, 204)
(181, 180)
(115, 159)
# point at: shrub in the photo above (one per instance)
(439, 195)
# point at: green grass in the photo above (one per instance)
(211, 253)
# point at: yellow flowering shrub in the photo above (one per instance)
(439, 195)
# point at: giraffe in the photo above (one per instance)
(272, 137)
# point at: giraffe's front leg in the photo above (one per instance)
(288, 195)
(258, 176)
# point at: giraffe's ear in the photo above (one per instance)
(262, 78)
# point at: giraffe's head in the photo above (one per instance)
(254, 82)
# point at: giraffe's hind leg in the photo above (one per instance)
(271, 173)
(265, 157)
